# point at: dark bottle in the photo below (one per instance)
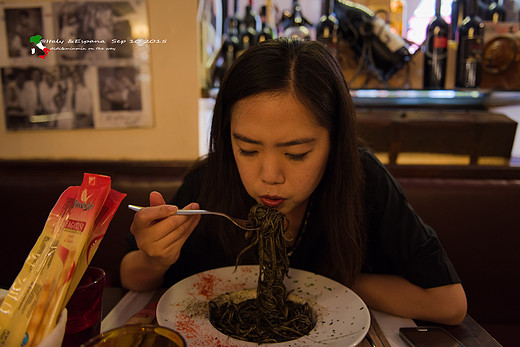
(459, 11)
(232, 40)
(469, 51)
(267, 32)
(232, 22)
(249, 27)
(383, 51)
(229, 49)
(251, 18)
(231, 44)
(496, 11)
(436, 50)
(483, 9)
(328, 27)
(296, 24)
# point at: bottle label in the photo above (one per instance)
(440, 42)
(472, 46)
(469, 61)
(384, 33)
(471, 76)
(436, 43)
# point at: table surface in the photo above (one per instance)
(469, 332)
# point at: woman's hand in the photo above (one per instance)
(160, 235)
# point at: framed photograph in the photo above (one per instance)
(21, 23)
(48, 98)
(75, 65)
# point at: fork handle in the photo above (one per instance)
(192, 212)
(181, 212)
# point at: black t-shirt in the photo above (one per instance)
(398, 242)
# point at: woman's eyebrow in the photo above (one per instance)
(294, 142)
(243, 138)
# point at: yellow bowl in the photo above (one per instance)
(138, 334)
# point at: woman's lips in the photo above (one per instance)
(272, 201)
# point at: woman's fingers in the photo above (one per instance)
(161, 233)
(156, 199)
(182, 230)
(175, 226)
(152, 215)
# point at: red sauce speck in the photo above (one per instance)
(186, 325)
(205, 285)
(195, 334)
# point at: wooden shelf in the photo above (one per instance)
(406, 98)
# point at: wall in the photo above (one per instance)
(175, 93)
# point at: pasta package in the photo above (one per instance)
(57, 261)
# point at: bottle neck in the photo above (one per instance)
(437, 8)
(327, 7)
(297, 14)
(471, 7)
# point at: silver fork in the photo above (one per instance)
(241, 223)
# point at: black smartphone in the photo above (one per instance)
(428, 337)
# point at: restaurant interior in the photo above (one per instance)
(454, 150)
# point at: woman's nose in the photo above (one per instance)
(271, 171)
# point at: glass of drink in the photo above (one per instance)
(85, 308)
(137, 334)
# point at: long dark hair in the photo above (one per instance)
(307, 70)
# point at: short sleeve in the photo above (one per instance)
(399, 242)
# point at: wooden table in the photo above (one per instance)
(469, 332)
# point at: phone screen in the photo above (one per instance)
(429, 337)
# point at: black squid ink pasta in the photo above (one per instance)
(270, 317)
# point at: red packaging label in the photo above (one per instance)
(75, 225)
(440, 42)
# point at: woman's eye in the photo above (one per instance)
(247, 153)
(298, 157)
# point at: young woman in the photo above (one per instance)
(284, 135)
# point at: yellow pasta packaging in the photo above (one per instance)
(56, 263)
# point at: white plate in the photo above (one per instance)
(343, 318)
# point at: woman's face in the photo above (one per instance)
(280, 150)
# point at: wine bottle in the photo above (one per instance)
(436, 51)
(251, 18)
(469, 51)
(231, 43)
(483, 9)
(232, 23)
(297, 25)
(328, 27)
(496, 11)
(249, 28)
(267, 32)
(229, 50)
(459, 11)
(382, 50)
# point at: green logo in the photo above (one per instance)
(36, 39)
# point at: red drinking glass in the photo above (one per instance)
(84, 309)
